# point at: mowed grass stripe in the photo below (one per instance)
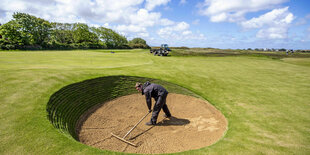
(264, 100)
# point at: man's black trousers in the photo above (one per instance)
(160, 104)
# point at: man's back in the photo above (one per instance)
(154, 89)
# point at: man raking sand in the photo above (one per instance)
(159, 93)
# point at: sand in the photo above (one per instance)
(195, 124)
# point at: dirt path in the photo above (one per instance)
(195, 124)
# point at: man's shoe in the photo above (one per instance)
(167, 116)
(150, 123)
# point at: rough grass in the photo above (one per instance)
(266, 101)
(213, 52)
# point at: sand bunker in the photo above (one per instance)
(195, 124)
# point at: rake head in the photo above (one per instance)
(124, 140)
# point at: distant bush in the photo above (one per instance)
(138, 43)
(139, 46)
(182, 47)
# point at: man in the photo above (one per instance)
(159, 93)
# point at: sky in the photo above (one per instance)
(235, 24)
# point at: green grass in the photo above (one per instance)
(266, 101)
(298, 61)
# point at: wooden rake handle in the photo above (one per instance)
(136, 125)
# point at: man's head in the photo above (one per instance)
(139, 86)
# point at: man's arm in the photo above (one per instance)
(148, 100)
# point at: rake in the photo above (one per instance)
(123, 139)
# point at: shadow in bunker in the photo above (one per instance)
(143, 132)
(173, 121)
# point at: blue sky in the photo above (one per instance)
(196, 23)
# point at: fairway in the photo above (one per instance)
(265, 101)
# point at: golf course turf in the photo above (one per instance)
(265, 101)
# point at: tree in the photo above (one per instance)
(29, 32)
(11, 37)
(138, 43)
(110, 38)
(282, 49)
(36, 30)
(61, 33)
(82, 34)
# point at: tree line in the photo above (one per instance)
(28, 32)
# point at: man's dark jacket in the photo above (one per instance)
(152, 90)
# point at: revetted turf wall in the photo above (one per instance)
(67, 105)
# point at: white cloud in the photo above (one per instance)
(75, 10)
(273, 24)
(219, 17)
(272, 33)
(128, 17)
(182, 26)
(143, 35)
(187, 32)
(151, 4)
(274, 17)
(139, 22)
(233, 11)
(144, 18)
(5, 17)
(179, 32)
(130, 28)
(166, 22)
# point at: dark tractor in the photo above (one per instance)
(162, 51)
